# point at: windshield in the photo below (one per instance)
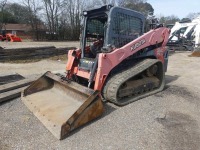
(95, 29)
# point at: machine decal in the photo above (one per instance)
(138, 44)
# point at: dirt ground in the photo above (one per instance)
(8, 45)
(169, 120)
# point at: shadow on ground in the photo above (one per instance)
(182, 131)
(169, 79)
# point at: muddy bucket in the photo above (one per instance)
(60, 105)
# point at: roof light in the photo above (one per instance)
(85, 13)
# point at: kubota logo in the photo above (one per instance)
(138, 44)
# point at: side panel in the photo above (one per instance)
(107, 61)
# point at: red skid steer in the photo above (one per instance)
(116, 63)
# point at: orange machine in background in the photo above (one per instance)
(10, 37)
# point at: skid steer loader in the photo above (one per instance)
(116, 63)
(185, 35)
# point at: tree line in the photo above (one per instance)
(62, 18)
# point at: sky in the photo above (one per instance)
(179, 8)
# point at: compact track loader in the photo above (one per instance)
(116, 63)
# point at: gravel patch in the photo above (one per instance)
(168, 120)
(8, 45)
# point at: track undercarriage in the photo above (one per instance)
(143, 79)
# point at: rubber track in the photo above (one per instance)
(113, 84)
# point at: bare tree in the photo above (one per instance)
(193, 15)
(168, 19)
(121, 2)
(2, 5)
(53, 9)
(34, 9)
(124, 3)
(99, 3)
(73, 17)
(107, 2)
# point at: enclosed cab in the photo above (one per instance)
(114, 26)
